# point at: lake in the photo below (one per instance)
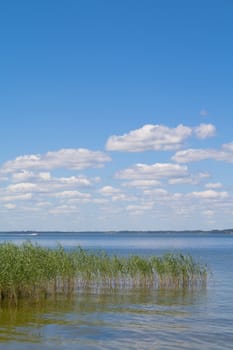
(129, 319)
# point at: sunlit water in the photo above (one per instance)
(134, 319)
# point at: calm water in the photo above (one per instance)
(138, 319)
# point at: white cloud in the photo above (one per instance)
(164, 195)
(17, 197)
(158, 192)
(99, 200)
(50, 191)
(139, 207)
(73, 180)
(150, 137)
(182, 180)
(205, 130)
(10, 206)
(23, 187)
(44, 182)
(208, 213)
(22, 175)
(108, 190)
(43, 204)
(77, 159)
(157, 137)
(25, 175)
(71, 194)
(195, 155)
(122, 197)
(153, 172)
(142, 183)
(191, 179)
(214, 185)
(228, 147)
(140, 189)
(209, 194)
(115, 194)
(44, 176)
(63, 209)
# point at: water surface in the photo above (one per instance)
(130, 319)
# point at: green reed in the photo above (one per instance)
(33, 271)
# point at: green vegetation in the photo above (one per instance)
(33, 271)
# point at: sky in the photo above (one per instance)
(116, 115)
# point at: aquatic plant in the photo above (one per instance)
(33, 271)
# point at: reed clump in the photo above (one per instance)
(33, 271)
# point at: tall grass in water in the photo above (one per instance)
(33, 271)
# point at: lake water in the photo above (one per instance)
(134, 319)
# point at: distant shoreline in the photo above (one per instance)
(226, 231)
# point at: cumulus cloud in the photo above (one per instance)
(157, 137)
(152, 172)
(50, 182)
(10, 206)
(71, 194)
(142, 183)
(120, 197)
(17, 197)
(162, 194)
(50, 191)
(63, 209)
(72, 180)
(23, 187)
(194, 155)
(149, 137)
(136, 208)
(208, 213)
(228, 147)
(158, 192)
(114, 194)
(76, 159)
(214, 185)
(190, 179)
(22, 175)
(33, 184)
(108, 190)
(205, 130)
(209, 194)
(43, 204)
(25, 175)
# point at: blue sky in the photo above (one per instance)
(116, 115)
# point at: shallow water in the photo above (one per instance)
(130, 319)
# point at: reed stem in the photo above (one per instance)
(33, 271)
